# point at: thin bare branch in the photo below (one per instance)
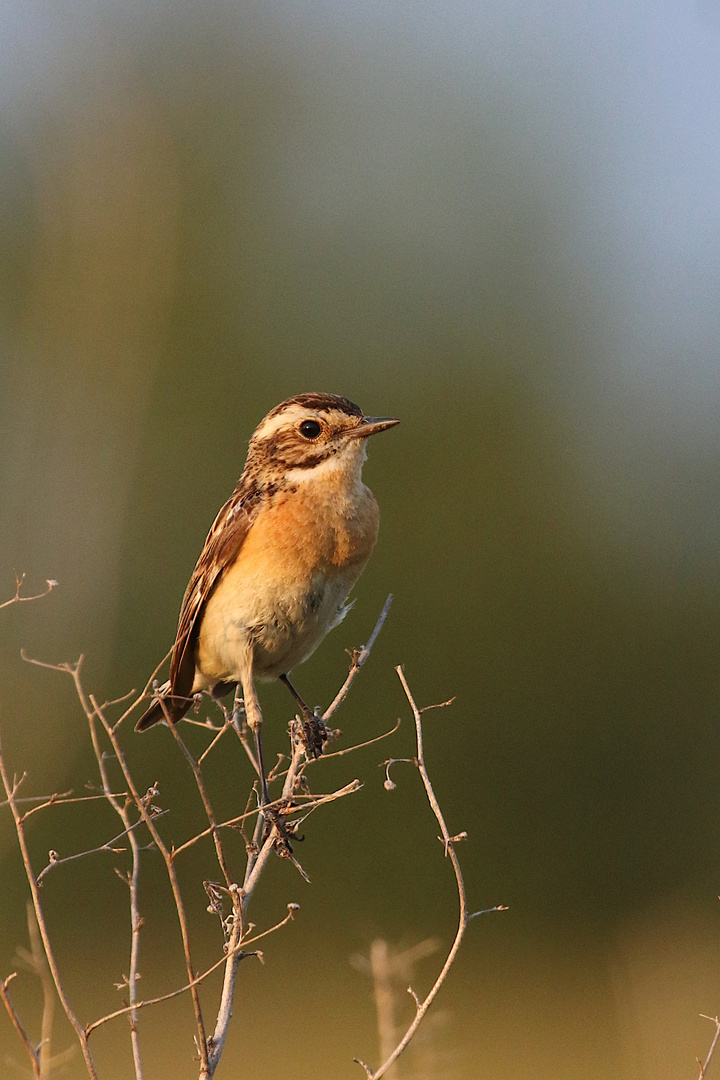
(48, 800)
(240, 948)
(382, 974)
(42, 970)
(358, 658)
(274, 827)
(705, 1064)
(74, 669)
(29, 1048)
(149, 819)
(389, 969)
(277, 772)
(54, 800)
(362, 745)
(255, 865)
(226, 727)
(120, 700)
(309, 808)
(19, 599)
(421, 1007)
(279, 805)
(29, 873)
(141, 697)
(258, 856)
(207, 805)
(69, 668)
(121, 807)
(55, 860)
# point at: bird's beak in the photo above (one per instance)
(370, 425)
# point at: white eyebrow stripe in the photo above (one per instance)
(292, 415)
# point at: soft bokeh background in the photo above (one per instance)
(499, 222)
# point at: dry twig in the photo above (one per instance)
(421, 1007)
(389, 968)
(704, 1065)
(18, 598)
(11, 791)
(273, 829)
(358, 658)
(15, 1019)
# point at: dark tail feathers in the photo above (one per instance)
(169, 708)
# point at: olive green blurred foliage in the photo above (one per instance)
(198, 221)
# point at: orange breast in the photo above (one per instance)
(289, 583)
(315, 527)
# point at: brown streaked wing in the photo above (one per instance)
(221, 548)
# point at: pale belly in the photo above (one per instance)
(267, 628)
(289, 585)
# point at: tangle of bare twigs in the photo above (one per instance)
(141, 825)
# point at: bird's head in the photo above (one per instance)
(312, 434)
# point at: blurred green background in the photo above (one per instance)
(499, 224)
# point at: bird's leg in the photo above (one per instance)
(254, 719)
(316, 734)
(265, 795)
(271, 815)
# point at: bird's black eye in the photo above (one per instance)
(310, 429)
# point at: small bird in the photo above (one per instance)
(279, 561)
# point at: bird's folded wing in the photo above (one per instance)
(223, 544)
(221, 549)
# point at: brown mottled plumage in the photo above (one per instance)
(281, 557)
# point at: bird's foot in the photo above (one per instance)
(316, 733)
(274, 818)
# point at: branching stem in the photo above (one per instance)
(10, 790)
(29, 1048)
(274, 825)
(421, 1007)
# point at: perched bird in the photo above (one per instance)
(280, 559)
